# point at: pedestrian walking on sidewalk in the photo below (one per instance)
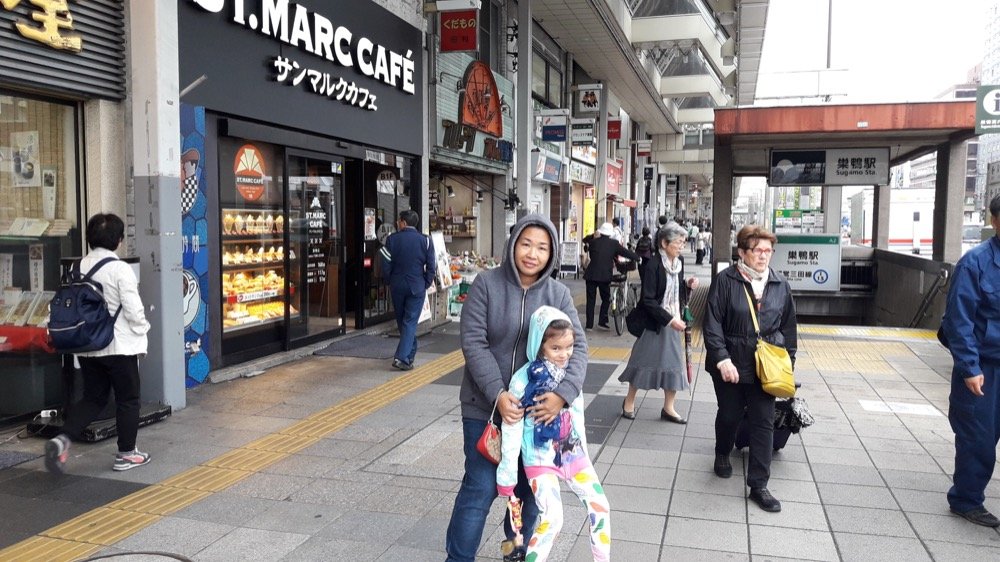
(658, 360)
(116, 367)
(644, 249)
(970, 329)
(494, 328)
(604, 250)
(730, 343)
(408, 265)
(554, 451)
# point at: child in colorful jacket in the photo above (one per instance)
(554, 451)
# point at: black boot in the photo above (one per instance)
(763, 498)
(723, 468)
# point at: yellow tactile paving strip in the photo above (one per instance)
(88, 533)
(98, 528)
(867, 331)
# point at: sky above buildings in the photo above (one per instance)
(882, 50)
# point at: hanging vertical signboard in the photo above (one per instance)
(459, 31)
(582, 132)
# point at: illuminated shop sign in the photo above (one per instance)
(313, 33)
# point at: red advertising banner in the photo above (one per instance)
(614, 178)
(459, 31)
(614, 129)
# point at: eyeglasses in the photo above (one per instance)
(761, 251)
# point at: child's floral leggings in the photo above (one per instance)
(587, 486)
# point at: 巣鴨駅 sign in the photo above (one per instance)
(842, 166)
(810, 262)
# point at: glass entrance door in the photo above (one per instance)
(316, 199)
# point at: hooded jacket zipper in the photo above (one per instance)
(520, 328)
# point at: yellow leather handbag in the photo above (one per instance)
(774, 365)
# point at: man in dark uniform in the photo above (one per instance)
(970, 329)
(603, 251)
(408, 264)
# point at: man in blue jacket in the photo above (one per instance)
(971, 331)
(408, 265)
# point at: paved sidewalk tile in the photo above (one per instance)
(793, 515)
(802, 491)
(700, 505)
(637, 527)
(251, 545)
(708, 535)
(651, 500)
(951, 528)
(856, 496)
(323, 549)
(863, 548)
(792, 543)
(705, 481)
(669, 553)
(955, 552)
(177, 535)
(861, 520)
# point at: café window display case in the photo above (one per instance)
(258, 295)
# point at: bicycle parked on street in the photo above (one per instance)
(624, 295)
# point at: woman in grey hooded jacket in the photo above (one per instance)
(494, 329)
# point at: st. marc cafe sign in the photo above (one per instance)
(316, 35)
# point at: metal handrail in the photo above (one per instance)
(939, 282)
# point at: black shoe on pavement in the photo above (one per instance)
(604, 327)
(675, 419)
(401, 365)
(765, 500)
(723, 468)
(979, 516)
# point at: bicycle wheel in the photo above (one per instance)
(618, 309)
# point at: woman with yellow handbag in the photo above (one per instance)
(747, 302)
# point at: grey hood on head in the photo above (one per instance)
(508, 265)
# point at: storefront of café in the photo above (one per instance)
(300, 142)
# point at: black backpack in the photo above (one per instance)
(644, 246)
(78, 314)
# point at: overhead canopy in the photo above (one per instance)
(909, 130)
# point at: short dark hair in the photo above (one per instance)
(645, 231)
(662, 220)
(995, 206)
(615, 221)
(105, 231)
(410, 217)
(556, 328)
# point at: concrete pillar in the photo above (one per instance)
(722, 205)
(833, 199)
(106, 164)
(880, 220)
(523, 110)
(155, 134)
(601, 177)
(949, 202)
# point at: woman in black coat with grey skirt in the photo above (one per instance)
(730, 343)
(658, 359)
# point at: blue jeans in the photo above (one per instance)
(476, 495)
(976, 423)
(407, 307)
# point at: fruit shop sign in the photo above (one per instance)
(296, 25)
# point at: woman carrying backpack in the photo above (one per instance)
(644, 248)
(115, 366)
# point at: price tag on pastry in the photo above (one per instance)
(256, 295)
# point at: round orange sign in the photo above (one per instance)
(249, 170)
